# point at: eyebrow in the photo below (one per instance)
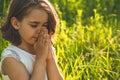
(36, 22)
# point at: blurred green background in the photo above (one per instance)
(87, 41)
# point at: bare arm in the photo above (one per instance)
(17, 71)
(14, 69)
(53, 71)
(52, 67)
(39, 70)
(41, 49)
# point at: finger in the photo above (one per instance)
(44, 29)
(46, 39)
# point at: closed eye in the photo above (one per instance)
(34, 24)
(45, 25)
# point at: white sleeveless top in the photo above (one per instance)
(26, 58)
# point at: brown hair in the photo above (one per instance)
(19, 9)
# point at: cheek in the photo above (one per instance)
(23, 32)
(26, 30)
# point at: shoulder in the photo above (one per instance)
(7, 55)
(11, 64)
(9, 52)
(15, 70)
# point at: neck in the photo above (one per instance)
(28, 48)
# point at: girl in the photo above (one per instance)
(29, 27)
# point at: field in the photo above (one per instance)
(87, 39)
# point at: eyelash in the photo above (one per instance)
(46, 24)
(35, 25)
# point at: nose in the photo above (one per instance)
(39, 32)
(44, 29)
(38, 29)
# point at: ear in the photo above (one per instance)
(15, 23)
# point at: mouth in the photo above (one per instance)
(36, 38)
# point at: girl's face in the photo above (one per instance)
(31, 25)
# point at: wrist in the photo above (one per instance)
(41, 61)
(50, 61)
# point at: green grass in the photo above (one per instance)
(87, 52)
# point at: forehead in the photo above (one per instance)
(37, 15)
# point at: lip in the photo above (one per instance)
(36, 38)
